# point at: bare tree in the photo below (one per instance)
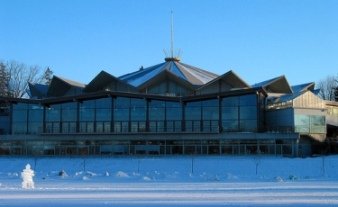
(19, 75)
(327, 87)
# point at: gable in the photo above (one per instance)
(226, 82)
(105, 81)
(167, 84)
(308, 100)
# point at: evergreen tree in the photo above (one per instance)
(3, 80)
(47, 76)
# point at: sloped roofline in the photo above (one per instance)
(196, 76)
(171, 75)
(268, 83)
(305, 86)
(98, 78)
(196, 73)
(70, 83)
(35, 91)
(229, 73)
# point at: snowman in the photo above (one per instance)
(27, 177)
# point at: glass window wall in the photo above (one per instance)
(230, 114)
(138, 115)
(173, 116)
(103, 115)
(310, 124)
(121, 114)
(19, 118)
(193, 116)
(156, 116)
(53, 118)
(35, 119)
(87, 116)
(239, 113)
(210, 116)
(69, 117)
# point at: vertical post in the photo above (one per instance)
(78, 117)
(201, 118)
(112, 129)
(60, 122)
(220, 129)
(11, 118)
(183, 116)
(129, 117)
(94, 117)
(238, 113)
(172, 35)
(27, 118)
(44, 119)
(147, 115)
(165, 117)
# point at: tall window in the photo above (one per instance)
(137, 115)
(121, 114)
(69, 117)
(210, 115)
(248, 112)
(239, 113)
(19, 118)
(103, 115)
(173, 116)
(95, 116)
(193, 116)
(87, 116)
(230, 114)
(35, 118)
(53, 118)
(156, 116)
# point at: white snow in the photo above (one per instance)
(172, 181)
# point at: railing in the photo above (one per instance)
(168, 126)
(144, 149)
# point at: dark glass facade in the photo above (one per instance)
(122, 125)
(138, 115)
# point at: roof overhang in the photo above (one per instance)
(166, 75)
(60, 86)
(278, 85)
(102, 80)
(231, 79)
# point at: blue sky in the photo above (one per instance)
(258, 39)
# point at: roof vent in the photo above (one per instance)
(168, 59)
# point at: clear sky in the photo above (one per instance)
(258, 39)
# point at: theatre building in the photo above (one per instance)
(167, 109)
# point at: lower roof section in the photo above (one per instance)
(103, 94)
(152, 136)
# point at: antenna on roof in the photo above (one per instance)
(165, 53)
(171, 57)
(172, 35)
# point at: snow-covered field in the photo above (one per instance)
(171, 181)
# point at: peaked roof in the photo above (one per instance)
(166, 74)
(103, 79)
(275, 85)
(59, 86)
(231, 78)
(37, 90)
(303, 87)
(195, 76)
